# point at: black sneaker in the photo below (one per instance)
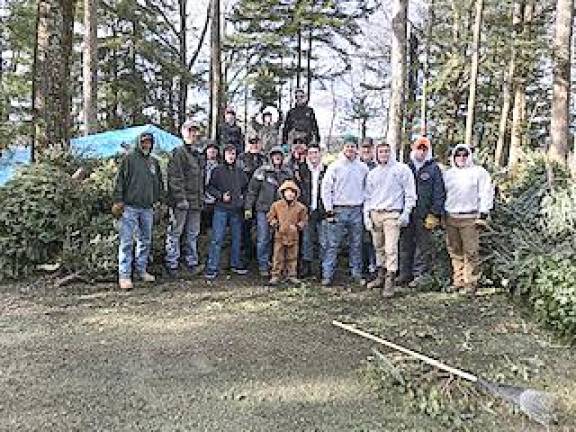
(239, 271)
(210, 275)
(171, 273)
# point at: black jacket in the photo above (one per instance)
(139, 180)
(305, 184)
(430, 189)
(303, 119)
(228, 178)
(250, 162)
(186, 177)
(232, 134)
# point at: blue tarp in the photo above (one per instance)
(111, 143)
(11, 159)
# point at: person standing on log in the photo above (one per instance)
(301, 122)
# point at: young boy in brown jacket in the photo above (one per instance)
(287, 217)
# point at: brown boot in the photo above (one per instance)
(388, 290)
(377, 283)
(470, 289)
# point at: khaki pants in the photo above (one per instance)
(385, 235)
(285, 258)
(463, 242)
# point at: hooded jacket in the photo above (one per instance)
(250, 162)
(139, 180)
(185, 174)
(228, 178)
(430, 190)
(390, 187)
(469, 189)
(264, 184)
(288, 217)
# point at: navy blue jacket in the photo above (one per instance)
(430, 189)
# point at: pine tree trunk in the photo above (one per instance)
(309, 63)
(215, 70)
(299, 57)
(89, 68)
(560, 134)
(52, 75)
(474, 74)
(183, 93)
(398, 68)
(426, 70)
(508, 85)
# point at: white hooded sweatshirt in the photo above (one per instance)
(469, 189)
(390, 187)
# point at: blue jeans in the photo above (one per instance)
(134, 221)
(187, 223)
(220, 221)
(313, 235)
(262, 241)
(348, 220)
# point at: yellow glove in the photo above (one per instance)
(248, 214)
(431, 222)
(117, 210)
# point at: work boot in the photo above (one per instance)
(171, 273)
(146, 277)
(305, 269)
(274, 280)
(294, 280)
(125, 284)
(326, 282)
(377, 283)
(470, 289)
(404, 279)
(388, 290)
(358, 284)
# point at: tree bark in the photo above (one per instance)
(299, 57)
(474, 74)
(183, 93)
(559, 125)
(52, 91)
(508, 85)
(398, 68)
(89, 67)
(519, 108)
(215, 70)
(426, 70)
(309, 62)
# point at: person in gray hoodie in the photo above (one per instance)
(389, 199)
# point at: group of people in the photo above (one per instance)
(302, 210)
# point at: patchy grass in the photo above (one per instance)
(236, 355)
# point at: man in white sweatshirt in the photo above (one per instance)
(469, 199)
(342, 193)
(389, 199)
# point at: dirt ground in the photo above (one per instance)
(233, 355)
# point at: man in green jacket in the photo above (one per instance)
(138, 187)
(185, 196)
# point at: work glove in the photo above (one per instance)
(117, 210)
(431, 222)
(404, 219)
(182, 205)
(330, 217)
(368, 224)
(482, 221)
(248, 214)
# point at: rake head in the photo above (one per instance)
(538, 406)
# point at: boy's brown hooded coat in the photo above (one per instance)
(288, 218)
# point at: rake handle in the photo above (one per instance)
(432, 362)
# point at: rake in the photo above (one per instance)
(538, 406)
